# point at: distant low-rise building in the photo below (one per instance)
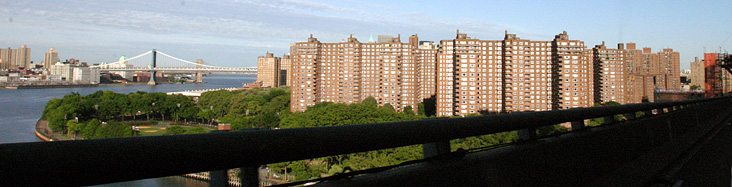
(123, 64)
(85, 75)
(64, 70)
(75, 73)
(50, 58)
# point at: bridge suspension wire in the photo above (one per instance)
(209, 63)
(185, 61)
(144, 62)
(129, 59)
(135, 57)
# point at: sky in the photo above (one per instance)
(233, 33)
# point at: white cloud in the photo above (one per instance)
(252, 24)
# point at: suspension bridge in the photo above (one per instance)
(154, 61)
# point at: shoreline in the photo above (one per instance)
(49, 86)
(44, 133)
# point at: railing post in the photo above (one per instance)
(435, 149)
(609, 119)
(630, 115)
(577, 125)
(527, 134)
(249, 176)
(218, 178)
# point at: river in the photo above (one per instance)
(20, 109)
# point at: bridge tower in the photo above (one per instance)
(199, 75)
(152, 72)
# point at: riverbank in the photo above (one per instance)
(16, 87)
(46, 134)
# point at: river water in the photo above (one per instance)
(20, 109)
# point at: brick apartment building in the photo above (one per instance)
(268, 70)
(467, 75)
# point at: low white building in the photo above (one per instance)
(54, 78)
(65, 70)
(74, 73)
(85, 75)
(8, 78)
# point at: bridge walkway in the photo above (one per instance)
(711, 162)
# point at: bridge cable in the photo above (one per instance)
(128, 59)
(189, 62)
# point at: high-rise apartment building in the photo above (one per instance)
(5, 56)
(21, 57)
(525, 73)
(572, 74)
(427, 65)
(268, 70)
(512, 74)
(648, 71)
(351, 71)
(609, 73)
(285, 69)
(50, 58)
(668, 70)
(697, 73)
(16, 58)
(468, 75)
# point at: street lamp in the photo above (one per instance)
(176, 112)
(151, 110)
(211, 120)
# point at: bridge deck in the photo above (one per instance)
(709, 166)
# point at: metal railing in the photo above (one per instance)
(89, 162)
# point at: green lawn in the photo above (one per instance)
(159, 130)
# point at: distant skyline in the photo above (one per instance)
(234, 32)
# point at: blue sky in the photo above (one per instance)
(234, 32)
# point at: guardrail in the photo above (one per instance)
(89, 162)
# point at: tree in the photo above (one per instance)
(90, 128)
(420, 109)
(696, 87)
(599, 121)
(388, 106)
(370, 101)
(549, 130)
(72, 127)
(206, 115)
(408, 110)
(196, 130)
(174, 130)
(220, 101)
